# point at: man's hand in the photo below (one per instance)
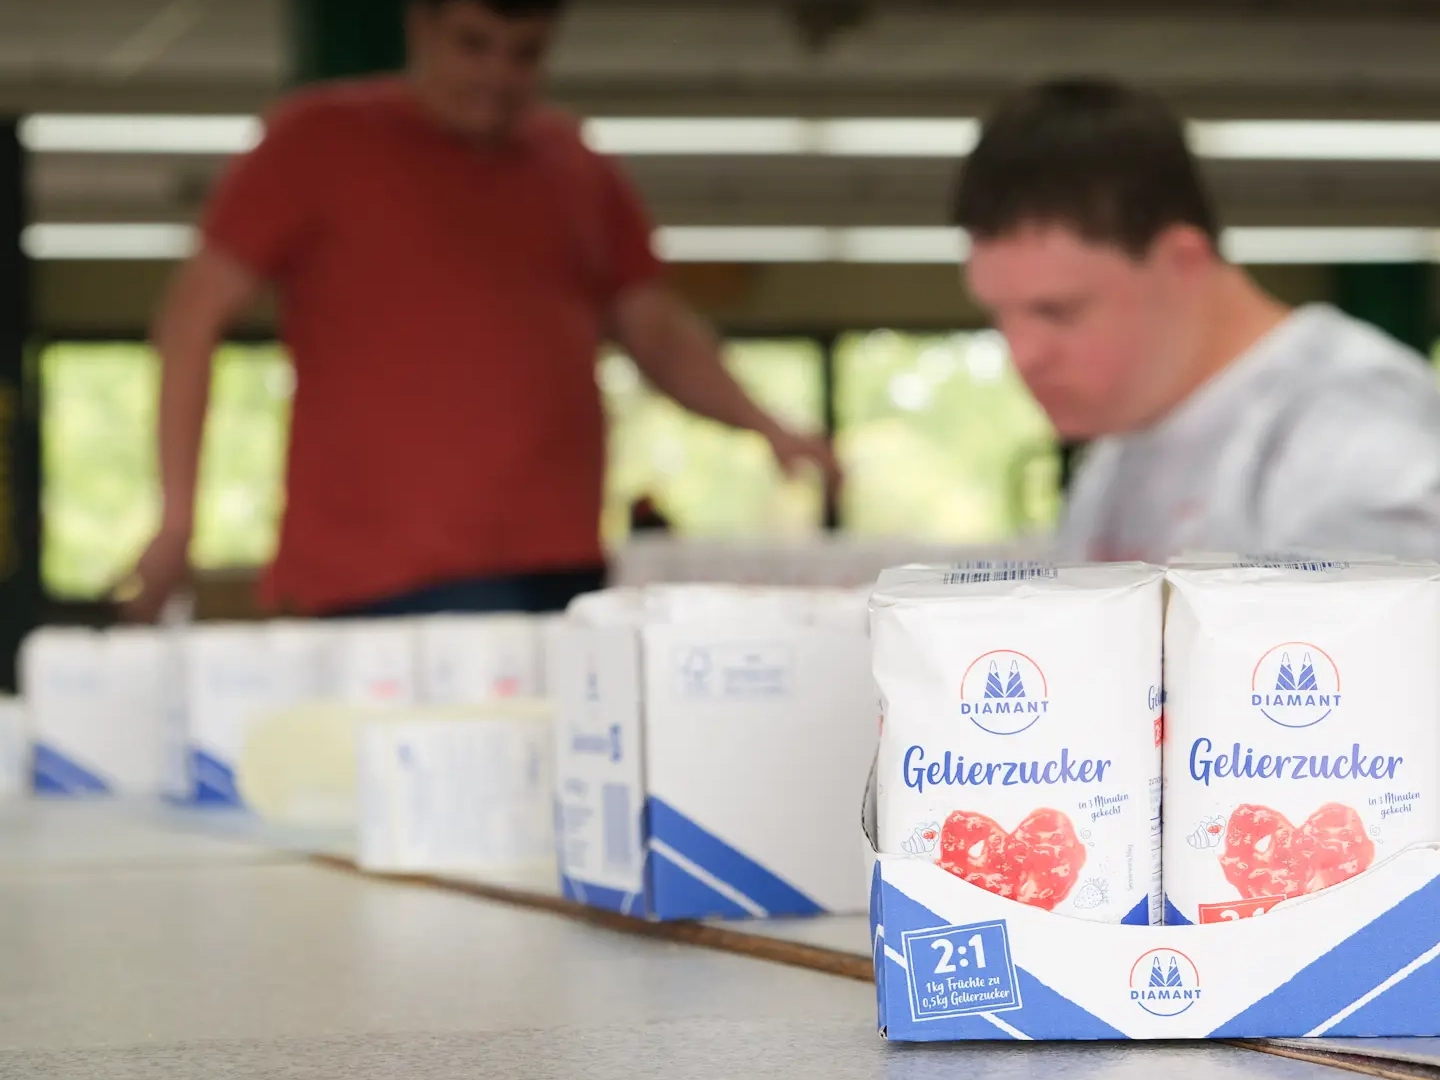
(208, 293)
(792, 450)
(161, 570)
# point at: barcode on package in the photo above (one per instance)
(982, 571)
(1291, 562)
(618, 825)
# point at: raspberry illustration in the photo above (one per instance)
(1266, 856)
(1037, 864)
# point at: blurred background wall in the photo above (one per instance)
(798, 158)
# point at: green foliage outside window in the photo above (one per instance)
(707, 479)
(940, 439)
(100, 494)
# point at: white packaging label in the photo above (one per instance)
(1302, 729)
(457, 794)
(1020, 746)
(595, 683)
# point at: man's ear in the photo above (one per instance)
(1183, 249)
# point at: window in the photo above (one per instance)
(941, 440)
(100, 493)
(706, 479)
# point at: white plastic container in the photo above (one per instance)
(1302, 728)
(1020, 746)
(459, 790)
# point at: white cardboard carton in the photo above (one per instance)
(98, 707)
(466, 790)
(236, 674)
(703, 766)
(14, 749)
(954, 962)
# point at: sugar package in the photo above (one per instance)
(472, 659)
(374, 662)
(1302, 722)
(1020, 739)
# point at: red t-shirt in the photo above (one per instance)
(443, 304)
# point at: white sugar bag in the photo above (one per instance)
(1020, 740)
(472, 659)
(374, 662)
(1302, 727)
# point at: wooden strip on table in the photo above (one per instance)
(814, 957)
(1387, 1068)
(724, 939)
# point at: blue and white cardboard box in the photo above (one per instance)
(702, 767)
(98, 704)
(236, 674)
(954, 962)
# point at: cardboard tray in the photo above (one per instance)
(954, 962)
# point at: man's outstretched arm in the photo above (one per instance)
(208, 294)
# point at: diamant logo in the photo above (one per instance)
(1004, 692)
(1164, 982)
(1295, 684)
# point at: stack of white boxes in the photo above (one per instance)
(711, 741)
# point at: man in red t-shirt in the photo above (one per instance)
(448, 256)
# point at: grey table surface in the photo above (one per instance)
(130, 947)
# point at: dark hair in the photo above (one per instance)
(1106, 160)
(510, 9)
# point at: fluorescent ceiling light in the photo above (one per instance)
(744, 244)
(902, 245)
(1317, 140)
(897, 137)
(1330, 245)
(924, 244)
(801, 244)
(140, 134)
(638, 136)
(120, 241)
